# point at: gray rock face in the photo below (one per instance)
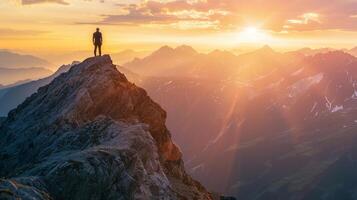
(90, 134)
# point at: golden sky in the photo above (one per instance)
(67, 25)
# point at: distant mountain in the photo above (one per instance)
(10, 97)
(262, 62)
(312, 52)
(10, 76)
(164, 62)
(127, 56)
(13, 60)
(17, 83)
(91, 134)
(184, 61)
(2, 87)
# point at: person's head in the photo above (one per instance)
(97, 29)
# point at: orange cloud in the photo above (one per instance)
(28, 2)
(274, 15)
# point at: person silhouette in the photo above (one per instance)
(97, 42)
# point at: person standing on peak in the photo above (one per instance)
(97, 41)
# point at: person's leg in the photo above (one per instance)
(100, 49)
(95, 50)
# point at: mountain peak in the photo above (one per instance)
(180, 50)
(96, 88)
(99, 63)
(186, 49)
(163, 51)
(165, 48)
(91, 123)
(265, 51)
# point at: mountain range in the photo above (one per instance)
(269, 126)
(17, 67)
(14, 60)
(184, 61)
(260, 125)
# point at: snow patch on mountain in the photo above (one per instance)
(337, 108)
(303, 85)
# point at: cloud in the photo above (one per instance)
(29, 2)
(306, 18)
(276, 15)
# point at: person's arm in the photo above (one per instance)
(93, 39)
(101, 39)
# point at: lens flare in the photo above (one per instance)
(252, 35)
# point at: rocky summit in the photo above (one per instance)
(91, 134)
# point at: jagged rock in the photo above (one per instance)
(91, 134)
(23, 188)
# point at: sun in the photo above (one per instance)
(252, 34)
